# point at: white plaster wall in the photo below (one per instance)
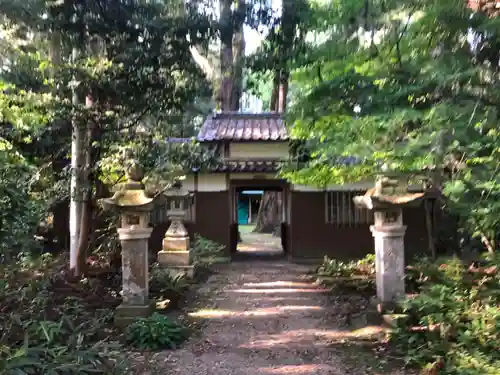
(277, 150)
(359, 186)
(345, 187)
(212, 182)
(217, 182)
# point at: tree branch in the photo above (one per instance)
(203, 63)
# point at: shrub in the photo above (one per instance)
(207, 252)
(335, 268)
(20, 212)
(454, 323)
(156, 332)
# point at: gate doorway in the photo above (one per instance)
(250, 236)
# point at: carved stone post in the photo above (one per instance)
(175, 254)
(387, 202)
(134, 207)
(389, 233)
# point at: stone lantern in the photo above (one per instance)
(134, 207)
(175, 254)
(387, 201)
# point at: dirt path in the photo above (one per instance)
(266, 317)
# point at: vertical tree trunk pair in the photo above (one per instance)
(280, 90)
(282, 73)
(238, 56)
(231, 55)
(269, 215)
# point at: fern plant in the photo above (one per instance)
(156, 332)
(206, 252)
(162, 282)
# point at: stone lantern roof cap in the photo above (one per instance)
(131, 199)
(131, 195)
(388, 194)
(177, 190)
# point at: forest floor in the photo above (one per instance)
(265, 317)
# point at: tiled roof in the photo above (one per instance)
(490, 7)
(179, 140)
(249, 166)
(235, 126)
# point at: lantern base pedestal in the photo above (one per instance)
(127, 314)
(168, 258)
(176, 243)
(177, 262)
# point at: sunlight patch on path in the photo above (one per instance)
(281, 283)
(279, 290)
(297, 369)
(313, 337)
(215, 313)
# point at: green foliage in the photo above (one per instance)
(457, 317)
(163, 283)
(398, 87)
(206, 252)
(156, 332)
(45, 330)
(332, 267)
(163, 161)
(133, 61)
(20, 211)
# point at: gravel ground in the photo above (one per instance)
(266, 317)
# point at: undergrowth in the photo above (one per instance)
(453, 324)
(164, 284)
(156, 332)
(452, 317)
(206, 252)
(335, 268)
(52, 326)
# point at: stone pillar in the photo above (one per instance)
(387, 201)
(135, 275)
(175, 244)
(133, 207)
(389, 262)
(175, 255)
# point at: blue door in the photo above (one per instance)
(242, 211)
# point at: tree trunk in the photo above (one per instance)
(87, 186)
(269, 215)
(226, 55)
(275, 93)
(289, 20)
(429, 223)
(55, 48)
(238, 56)
(75, 206)
(283, 91)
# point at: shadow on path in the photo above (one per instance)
(269, 318)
